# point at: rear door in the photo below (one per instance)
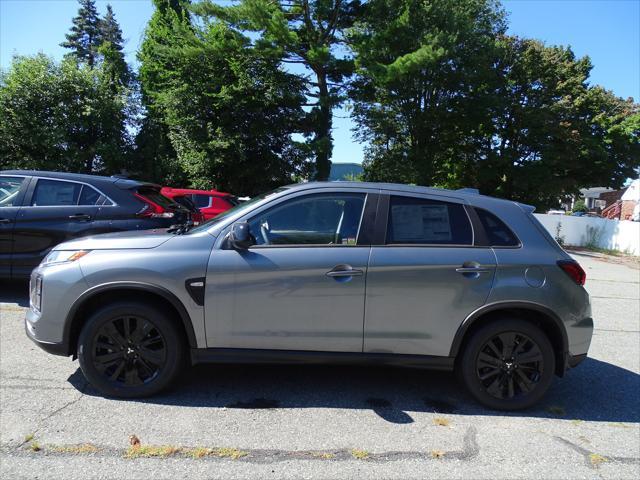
(425, 275)
(12, 189)
(54, 211)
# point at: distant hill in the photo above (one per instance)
(344, 171)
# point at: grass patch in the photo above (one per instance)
(556, 410)
(35, 446)
(441, 422)
(597, 459)
(29, 437)
(224, 452)
(576, 422)
(75, 449)
(148, 451)
(437, 453)
(620, 425)
(359, 454)
(323, 455)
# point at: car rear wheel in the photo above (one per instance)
(130, 349)
(507, 364)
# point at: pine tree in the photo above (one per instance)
(111, 48)
(84, 38)
(110, 30)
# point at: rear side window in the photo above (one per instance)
(55, 193)
(498, 234)
(89, 196)
(424, 221)
(201, 201)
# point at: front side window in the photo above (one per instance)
(55, 193)
(424, 221)
(322, 219)
(9, 189)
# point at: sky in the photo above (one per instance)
(608, 31)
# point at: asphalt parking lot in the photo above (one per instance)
(327, 422)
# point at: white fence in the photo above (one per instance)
(591, 231)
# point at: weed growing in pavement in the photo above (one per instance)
(359, 454)
(441, 422)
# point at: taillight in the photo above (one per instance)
(151, 209)
(574, 270)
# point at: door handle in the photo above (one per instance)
(472, 269)
(5, 220)
(80, 216)
(344, 271)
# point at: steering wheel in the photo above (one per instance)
(264, 232)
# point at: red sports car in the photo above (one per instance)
(210, 202)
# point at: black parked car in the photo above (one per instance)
(39, 210)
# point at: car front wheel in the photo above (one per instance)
(130, 349)
(507, 364)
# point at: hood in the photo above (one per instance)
(134, 239)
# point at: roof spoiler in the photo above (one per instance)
(473, 191)
(526, 208)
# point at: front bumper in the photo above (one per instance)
(61, 349)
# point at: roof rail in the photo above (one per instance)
(475, 191)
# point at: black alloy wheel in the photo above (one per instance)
(509, 364)
(129, 350)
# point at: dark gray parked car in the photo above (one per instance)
(324, 272)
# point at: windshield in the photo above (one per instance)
(237, 209)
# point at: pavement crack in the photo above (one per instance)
(42, 421)
(588, 455)
(469, 450)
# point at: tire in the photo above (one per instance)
(518, 381)
(130, 349)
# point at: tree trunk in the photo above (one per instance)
(323, 140)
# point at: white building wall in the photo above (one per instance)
(591, 231)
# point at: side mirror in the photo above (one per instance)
(240, 237)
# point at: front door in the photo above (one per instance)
(426, 278)
(300, 287)
(11, 193)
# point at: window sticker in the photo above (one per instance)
(420, 223)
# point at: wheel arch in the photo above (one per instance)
(537, 314)
(118, 291)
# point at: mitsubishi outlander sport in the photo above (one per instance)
(323, 272)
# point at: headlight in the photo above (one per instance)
(35, 292)
(62, 256)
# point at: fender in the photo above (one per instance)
(492, 307)
(147, 287)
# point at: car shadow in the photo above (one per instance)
(595, 391)
(15, 291)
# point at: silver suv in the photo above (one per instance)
(323, 272)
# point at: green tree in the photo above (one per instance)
(424, 76)
(552, 133)
(311, 34)
(580, 206)
(60, 117)
(111, 49)
(162, 35)
(230, 112)
(84, 39)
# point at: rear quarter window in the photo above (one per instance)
(498, 233)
